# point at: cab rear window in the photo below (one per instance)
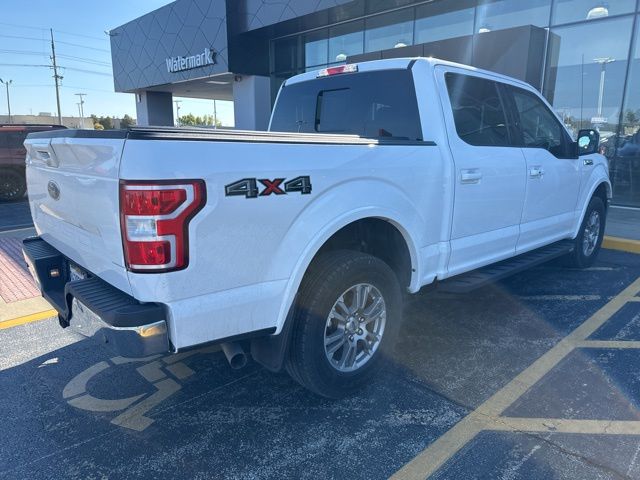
(378, 104)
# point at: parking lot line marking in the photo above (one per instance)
(562, 425)
(435, 455)
(624, 244)
(608, 344)
(34, 317)
(562, 298)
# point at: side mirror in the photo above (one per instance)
(588, 141)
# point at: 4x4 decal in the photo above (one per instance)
(248, 187)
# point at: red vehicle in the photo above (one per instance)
(13, 184)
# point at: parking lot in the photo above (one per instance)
(534, 377)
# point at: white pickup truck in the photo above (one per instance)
(298, 244)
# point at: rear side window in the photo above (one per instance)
(378, 104)
(538, 126)
(478, 110)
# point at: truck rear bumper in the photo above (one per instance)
(94, 308)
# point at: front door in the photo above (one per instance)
(553, 172)
(489, 171)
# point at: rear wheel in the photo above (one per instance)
(346, 319)
(590, 236)
(12, 185)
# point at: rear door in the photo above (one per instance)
(553, 172)
(489, 170)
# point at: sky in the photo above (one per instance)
(82, 49)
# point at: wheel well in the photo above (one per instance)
(601, 192)
(376, 237)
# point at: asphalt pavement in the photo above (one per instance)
(534, 377)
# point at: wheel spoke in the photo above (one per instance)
(346, 353)
(340, 303)
(362, 293)
(336, 345)
(376, 303)
(337, 316)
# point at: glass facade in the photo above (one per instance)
(592, 67)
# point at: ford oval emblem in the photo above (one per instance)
(54, 190)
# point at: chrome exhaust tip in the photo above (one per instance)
(235, 355)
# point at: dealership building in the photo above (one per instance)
(583, 55)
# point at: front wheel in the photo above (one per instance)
(590, 236)
(347, 316)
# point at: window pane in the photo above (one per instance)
(625, 164)
(431, 25)
(316, 46)
(345, 40)
(539, 127)
(477, 110)
(509, 13)
(565, 11)
(389, 31)
(332, 111)
(369, 104)
(285, 53)
(585, 74)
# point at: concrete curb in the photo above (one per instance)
(34, 317)
(623, 244)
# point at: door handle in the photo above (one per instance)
(472, 175)
(536, 172)
(588, 161)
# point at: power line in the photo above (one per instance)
(85, 46)
(84, 60)
(22, 37)
(23, 52)
(23, 65)
(41, 29)
(102, 39)
(94, 72)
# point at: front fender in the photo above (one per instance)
(327, 214)
(598, 176)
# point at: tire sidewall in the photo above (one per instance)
(365, 269)
(583, 260)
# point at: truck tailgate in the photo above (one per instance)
(73, 189)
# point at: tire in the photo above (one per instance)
(328, 370)
(587, 244)
(12, 185)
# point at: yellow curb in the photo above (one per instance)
(34, 317)
(624, 244)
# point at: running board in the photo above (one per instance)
(465, 282)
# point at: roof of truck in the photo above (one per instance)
(407, 62)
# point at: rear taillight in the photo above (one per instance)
(155, 219)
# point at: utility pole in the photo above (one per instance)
(56, 77)
(81, 106)
(79, 115)
(215, 114)
(7, 83)
(177, 102)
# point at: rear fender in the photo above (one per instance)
(323, 217)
